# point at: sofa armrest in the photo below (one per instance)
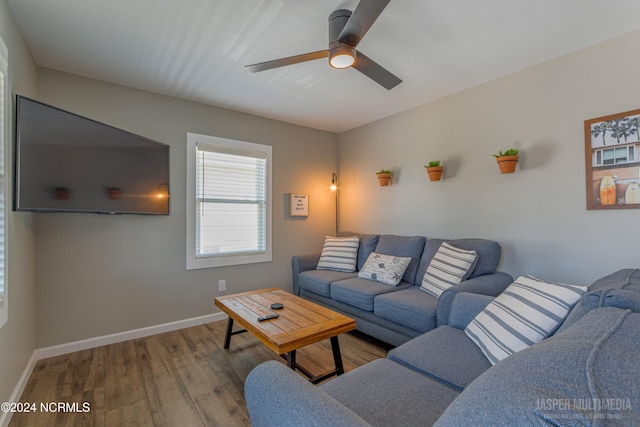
(489, 284)
(277, 396)
(300, 263)
(465, 306)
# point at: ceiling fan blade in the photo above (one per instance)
(276, 63)
(375, 72)
(361, 20)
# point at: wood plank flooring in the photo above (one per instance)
(179, 378)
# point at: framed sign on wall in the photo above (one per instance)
(299, 205)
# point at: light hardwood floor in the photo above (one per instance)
(179, 378)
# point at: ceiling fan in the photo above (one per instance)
(346, 30)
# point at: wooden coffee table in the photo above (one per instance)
(301, 323)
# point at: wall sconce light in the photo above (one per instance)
(334, 188)
(334, 182)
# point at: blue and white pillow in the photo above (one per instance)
(528, 311)
(448, 267)
(387, 269)
(339, 254)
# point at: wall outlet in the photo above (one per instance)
(222, 285)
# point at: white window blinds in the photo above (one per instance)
(231, 201)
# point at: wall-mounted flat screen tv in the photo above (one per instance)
(68, 163)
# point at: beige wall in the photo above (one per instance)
(539, 213)
(98, 275)
(18, 335)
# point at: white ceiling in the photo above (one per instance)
(197, 49)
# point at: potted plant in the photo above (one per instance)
(434, 170)
(507, 161)
(384, 177)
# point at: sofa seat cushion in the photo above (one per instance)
(446, 354)
(319, 281)
(360, 293)
(585, 375)
(385, 393)
(409, 307)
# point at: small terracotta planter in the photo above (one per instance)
(384, 179)
(507, 164)
(435, 173)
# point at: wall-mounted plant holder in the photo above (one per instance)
(384, 177)
(507, 161)
(62, 193)
(434, 170)
(114, 193)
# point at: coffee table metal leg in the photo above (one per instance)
(227, 336)
(291, 359)
(315, 379)
(337, 356)
(230, 331)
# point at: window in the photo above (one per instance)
(228, 202)
(614, 156)
(4, 66)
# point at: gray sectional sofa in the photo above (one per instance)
(586, 373)
(396, 314)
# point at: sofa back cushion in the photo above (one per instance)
(619, 289)
(488, 251)
(586, 375)
(403, 246)
(368, 244)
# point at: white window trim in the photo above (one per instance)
(4, 109)
(193, 262)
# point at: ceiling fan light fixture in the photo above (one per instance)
(342, 57)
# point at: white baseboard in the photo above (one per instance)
(57, 350)
(5, 417)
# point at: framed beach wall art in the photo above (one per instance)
(612, 160)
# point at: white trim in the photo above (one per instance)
(5, 417)
(58, 350)
(4, 141)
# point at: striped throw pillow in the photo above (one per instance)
(339, 254)
(527, 311)
(448, 267)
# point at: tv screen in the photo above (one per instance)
(68, 163)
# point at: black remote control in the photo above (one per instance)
(268, 316)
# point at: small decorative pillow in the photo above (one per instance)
(527, 311)
(339, 254)
(448, 267)
(387, 269)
